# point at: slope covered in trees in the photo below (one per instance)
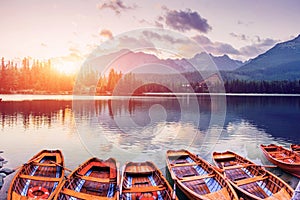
(40, 77)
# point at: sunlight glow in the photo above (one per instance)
(66, 67)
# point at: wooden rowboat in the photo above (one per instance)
(95, 179)
(144, 181)
(284, 158)
(196, 178)
(250, 180)
(39, 178)
(295, 148)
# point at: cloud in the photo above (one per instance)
(215, 47)
(239, 22)
(130, 42)
(267, 42)
(157, 23)
(106, 33)
(115, 5)
(74, 50)
(250, 51)
(150, 35)
(258, 47)
(186, 20)
(44, 44)
(239, 36)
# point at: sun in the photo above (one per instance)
(66, 67)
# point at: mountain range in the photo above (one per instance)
(281, 62)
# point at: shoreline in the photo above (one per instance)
(71, 97)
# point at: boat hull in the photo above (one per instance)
(196, 178)
(250, 180)
(143, 180)
(94, 179)
(290, 164)
(39, 178)
(295, 148)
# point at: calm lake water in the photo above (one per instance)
(143, 128)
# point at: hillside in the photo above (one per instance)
(282, 62)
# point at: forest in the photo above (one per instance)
(37, 77)
(40, 77)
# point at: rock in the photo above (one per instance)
(1, 182)
(1, 164)
(296, 195)
(1, 159)
(1, 151)
(2, 175)
(6, 171)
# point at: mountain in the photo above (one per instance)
(282, 62)
(140, 62)
(225, 63)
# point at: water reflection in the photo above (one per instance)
(136, 128)
(34, 113)
(277, 116)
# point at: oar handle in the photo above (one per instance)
(65, 168)
(33, 160)
(121, 183)
(174, 191)
(268, 166)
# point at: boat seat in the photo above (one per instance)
(237, 166)
(287, 157)
(183, 164)
(224, 157)
(80, 195)
(250, 180)
(193, 178)
(222, 194)
(94, 179)
(270, 147)
(275, 152)
(39, 178)
(177, 154)
(144, 189)
(141, 183)
(45, 164)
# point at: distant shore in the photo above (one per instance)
(71, 97)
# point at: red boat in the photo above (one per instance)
(250, 180)
(94, 179)
(295, 148)
(284, 158)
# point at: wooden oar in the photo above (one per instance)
(16, 168)
(246, 165)
(117, 189)
(122, 178)
(174, 191)
(65, 168)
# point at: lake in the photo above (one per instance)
(144, 128)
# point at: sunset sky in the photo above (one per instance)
(67, 31)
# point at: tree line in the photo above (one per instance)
(40, 77)
(268, 87)
(33, 77)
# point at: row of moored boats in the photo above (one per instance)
(232, 177)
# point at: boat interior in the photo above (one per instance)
(250, 178)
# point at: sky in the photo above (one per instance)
(69, 30)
